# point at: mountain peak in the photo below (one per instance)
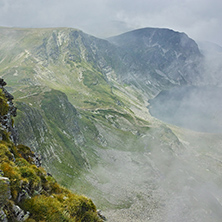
(160, 54)
(164, 37)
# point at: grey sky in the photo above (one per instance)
(200, 19)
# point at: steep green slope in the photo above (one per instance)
(27, 192)
(63, 59)
(69, 140)
(54, 132)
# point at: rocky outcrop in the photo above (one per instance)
(19, 214)
(5, 194)
(6, 119)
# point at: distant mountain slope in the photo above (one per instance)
(58, 58)
(159, 58)
(151, 59)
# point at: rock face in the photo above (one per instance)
(5, 194)
(5, 189)
(6, 118)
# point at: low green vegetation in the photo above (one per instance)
(43, 197)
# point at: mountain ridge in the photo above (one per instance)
(84, 101)
(169, 53)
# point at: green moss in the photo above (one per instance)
(44, 208)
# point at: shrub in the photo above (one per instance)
(44, 208)
(29, 173)
(80, 207)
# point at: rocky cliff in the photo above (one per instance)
(7, 111)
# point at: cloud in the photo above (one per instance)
(200, 19)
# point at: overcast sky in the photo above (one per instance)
(200, 19)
